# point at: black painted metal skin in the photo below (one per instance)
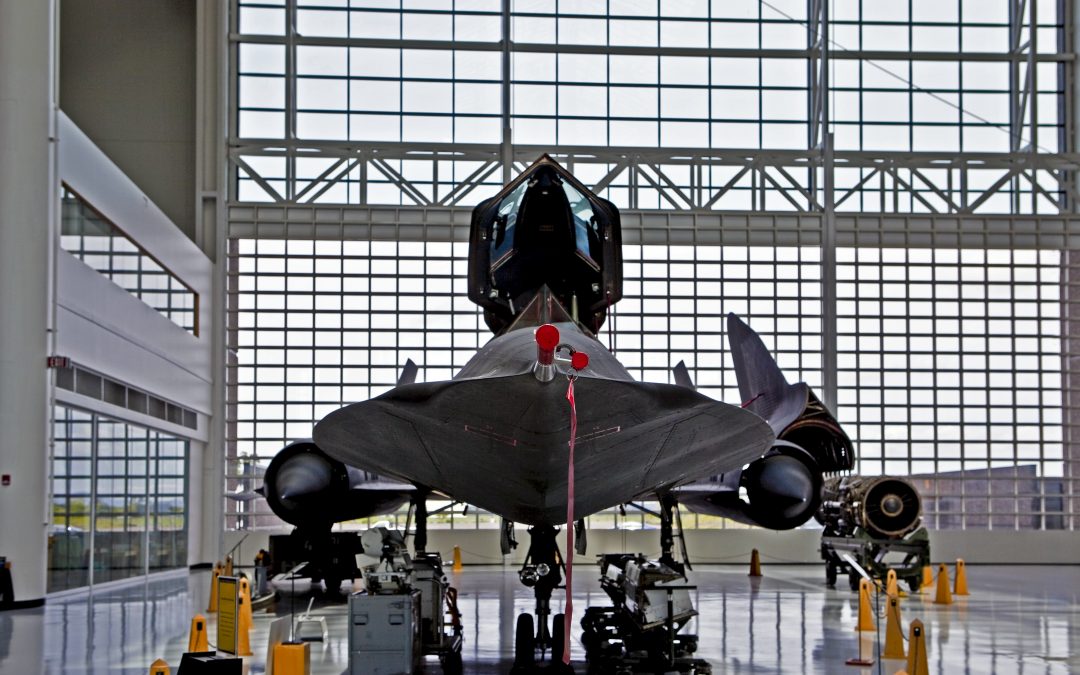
(541, 251)
(783, 489)
(496, 437)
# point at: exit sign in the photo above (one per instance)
(57, 362)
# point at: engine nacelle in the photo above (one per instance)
(306, 487)
(885, 507)
(780, 491)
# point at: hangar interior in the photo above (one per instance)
(223, 221)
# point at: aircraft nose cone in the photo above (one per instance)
(892, 505)
(303, 475)
(787, 482)
(782, 490)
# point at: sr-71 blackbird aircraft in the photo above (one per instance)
(545, 265)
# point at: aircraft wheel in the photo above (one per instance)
(914, 583)
(558, 642)
(524, 641)
(558, 636)
(830, 575)
(451, 664)
(853, 580)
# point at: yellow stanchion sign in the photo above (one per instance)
(228, 613)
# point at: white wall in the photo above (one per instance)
(127, 78)
(103, 327)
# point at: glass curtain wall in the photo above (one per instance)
(119, 504)
(952, 363)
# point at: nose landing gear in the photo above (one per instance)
(537, 635)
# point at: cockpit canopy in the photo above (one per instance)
(545, 229)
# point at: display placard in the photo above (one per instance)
(228, 613)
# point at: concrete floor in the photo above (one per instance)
(1017, 620)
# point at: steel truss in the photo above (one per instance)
(1026, 197)
(1030, 178)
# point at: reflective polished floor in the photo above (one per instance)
(1016, 620)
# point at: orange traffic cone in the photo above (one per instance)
(892, 590)
(894, 634)
(755, 563)
(457, 559)
(159, 667)
(212, 606)
(916, 658)
(197, 639)
(960, 585)
(228, 572)
(927, 578)
(866, 613)
(944, 597)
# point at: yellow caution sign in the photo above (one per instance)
(916, 658)
(292, 658)
(755, 563)
(159, 667)
(244, 620)
(944, 597)
(198, 641)
(457, 559)
(960, 587)
(894, 634)
(212, 606)
(866, 613)
(927, 578)
(228, 613)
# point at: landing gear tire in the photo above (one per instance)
(853, 581)
(451, 664)
(558, 643)
(333, 589)
(524, 644)
(830, 575)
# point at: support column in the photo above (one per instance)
(212, 99)
(28, 194)
(507, 147)
(1070, 290)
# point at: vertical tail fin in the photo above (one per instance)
(763, 388)
(795, 414)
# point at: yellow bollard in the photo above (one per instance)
(457, 559)
(244, 620)
(944, 597)
(292, 658)
(927, 578)
(866, 613)
(212, 607)
(159, 667)
(916, 658)
(894, 634)
(197, 639)
(228, 572)
(755, 563)
(960, 587)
